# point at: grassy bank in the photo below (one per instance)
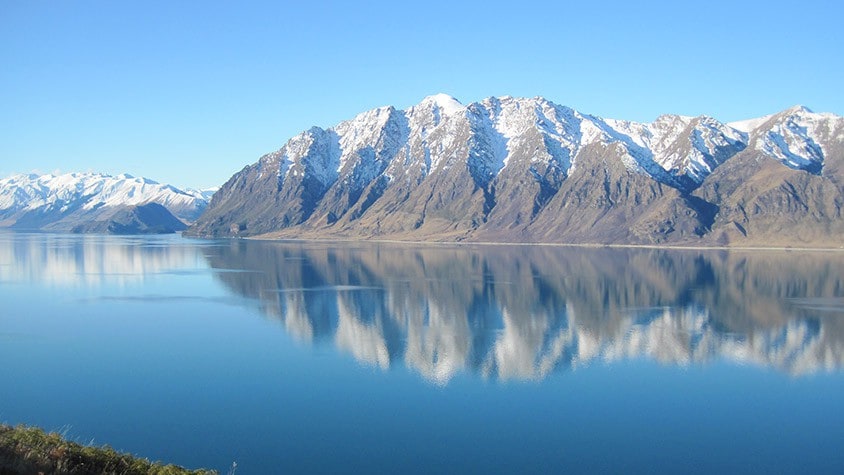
(28, 450)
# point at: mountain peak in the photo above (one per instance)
(798, 109)
(446, 103)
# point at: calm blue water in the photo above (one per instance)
(385, 358)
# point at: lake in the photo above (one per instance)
(322, 357)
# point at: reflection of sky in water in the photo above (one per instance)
(17, 336)
(168, 299)
(633, 364)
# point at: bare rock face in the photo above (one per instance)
(528, 170)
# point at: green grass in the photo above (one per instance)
(29, 450)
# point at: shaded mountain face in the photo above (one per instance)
(524, 312)
(528, 170)
(92, 202)
(150, 218)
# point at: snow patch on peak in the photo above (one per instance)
(363, 133)
(314, 154)
(806, 114)
(793, 136)
(798, 109)
(518, 125)
(445, 103)
(202, 194)
(749, 125)
(674, 119)
(793, 140)
(678, 150)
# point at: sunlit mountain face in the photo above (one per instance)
(518, 170)
(526, 312)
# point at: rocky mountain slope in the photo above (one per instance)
(93, 202)
(528, 170)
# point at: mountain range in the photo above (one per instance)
(99, 203)
(527, 170)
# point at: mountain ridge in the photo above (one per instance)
(96, 202)
(529, 170)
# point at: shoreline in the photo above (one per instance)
(679, 247)
(340, 239)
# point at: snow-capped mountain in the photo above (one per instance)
(79, 201)
(528, 169)
(794, 136)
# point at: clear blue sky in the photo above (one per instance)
(190, 92)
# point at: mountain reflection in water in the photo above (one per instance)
(90, 259)
(524, 312)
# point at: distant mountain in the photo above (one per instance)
(94, 202)
(528, 170)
